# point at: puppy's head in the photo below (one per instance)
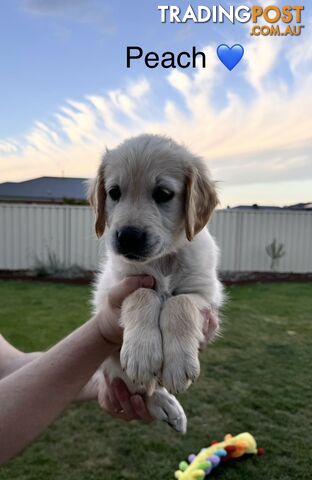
(151, 194)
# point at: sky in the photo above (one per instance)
(66, 95)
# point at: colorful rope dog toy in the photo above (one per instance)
(200, 465)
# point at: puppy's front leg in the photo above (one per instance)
(141, 354)
(181, 326)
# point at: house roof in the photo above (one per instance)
(301, 206)
(298, 206)
(50, 189)
(256, 207)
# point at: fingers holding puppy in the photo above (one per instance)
(115, 399)
(211, 326)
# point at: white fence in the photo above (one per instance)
(29, 233)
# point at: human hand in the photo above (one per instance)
(108, 318)
(210, 326)
(115, 398)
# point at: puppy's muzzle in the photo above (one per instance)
(131, 242)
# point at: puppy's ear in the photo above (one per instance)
(97, 198)
(200, 200)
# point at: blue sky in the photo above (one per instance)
(53, 50)
(66, 94)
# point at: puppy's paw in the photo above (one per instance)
(141, 353)
(141, 356)
(181, 327)
(181, 366)
(166, 407)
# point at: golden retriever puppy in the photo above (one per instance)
(153, 199)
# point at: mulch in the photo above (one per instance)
(228, 278)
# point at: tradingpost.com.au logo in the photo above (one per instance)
(268, 20)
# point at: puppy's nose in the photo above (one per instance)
(131, 241)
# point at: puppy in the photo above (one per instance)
(153, 199)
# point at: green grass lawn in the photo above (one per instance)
(257, 378)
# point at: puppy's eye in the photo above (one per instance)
(115, 193)
(162, 195)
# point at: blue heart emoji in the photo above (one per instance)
(230, 56)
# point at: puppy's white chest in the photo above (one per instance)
(164, 287)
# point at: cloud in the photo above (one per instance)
(264, 136)
(139, 89)
(261, 56)
(8, 146)
(301, 54)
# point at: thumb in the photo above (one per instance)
(128, 285)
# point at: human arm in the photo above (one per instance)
(32, 397)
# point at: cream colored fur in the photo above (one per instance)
(162, 327)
